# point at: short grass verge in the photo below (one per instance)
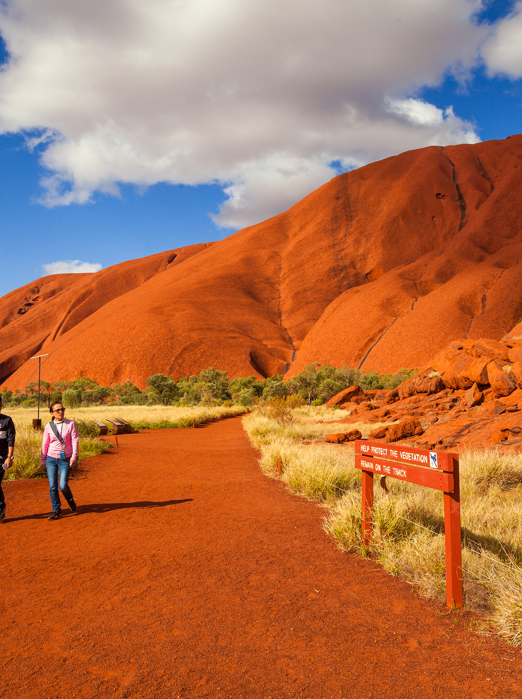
(408, 537)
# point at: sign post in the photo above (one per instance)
(37, 424)
(367, 506)
(432, 469)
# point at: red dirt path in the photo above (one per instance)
(187, 573)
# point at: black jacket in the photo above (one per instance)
(7, 435)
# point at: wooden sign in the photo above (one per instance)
(432, 469)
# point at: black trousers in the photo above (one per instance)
(2, 501)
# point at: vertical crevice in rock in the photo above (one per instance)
(485, 175)
(462, 203)
(375, 343)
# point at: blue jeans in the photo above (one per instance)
(55, 465)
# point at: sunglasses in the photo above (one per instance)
(59, 410)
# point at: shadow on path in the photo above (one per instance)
(101, 508)
(108, 506)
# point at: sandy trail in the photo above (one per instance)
(187, 573)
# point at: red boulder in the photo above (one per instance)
(499, 380)
(354, 394)
(472, 396)
(404, 430)
(342, 437)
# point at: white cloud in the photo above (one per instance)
(503, 51)
(258, 97)
(71, 267)
(417, 112)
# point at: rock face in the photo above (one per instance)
(377, 269)
(453, 416)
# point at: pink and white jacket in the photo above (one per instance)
(51, 446)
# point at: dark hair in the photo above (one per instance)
(56, 402)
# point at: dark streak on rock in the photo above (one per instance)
(375, 343)
(484, 174)
(462, 203)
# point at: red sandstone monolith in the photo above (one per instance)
(377, 270)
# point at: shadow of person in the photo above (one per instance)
(8, 519)
(100, 508)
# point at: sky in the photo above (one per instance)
(128, 128)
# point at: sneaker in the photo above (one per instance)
(55, 515)
(2, 512)
(73, 506)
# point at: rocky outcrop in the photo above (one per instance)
(461, 413)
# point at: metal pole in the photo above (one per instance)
(36, 423)
(367, 507)
(39, 373)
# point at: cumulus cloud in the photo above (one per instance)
(71, 267)
(259, 97)
(503, 50)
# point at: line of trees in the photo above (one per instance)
(315, 384)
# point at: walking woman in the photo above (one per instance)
(59, 455)
(7, 440)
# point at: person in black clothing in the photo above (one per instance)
(7, 440)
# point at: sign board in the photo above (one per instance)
(441, 461)
(420, 466)
(432, 469)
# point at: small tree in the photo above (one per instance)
(6, 396)
(162, 389)
(72, 398)
(217, 382)
(307, 382)
(275, 388)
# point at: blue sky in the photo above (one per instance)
(127, 129)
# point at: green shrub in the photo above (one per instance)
(275, 388)
(85, 428)
(72, 398)
(211, 387)
(246, 397)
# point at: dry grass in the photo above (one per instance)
(28, 446)
(141, 417)
(28, 442)
(408, 536)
